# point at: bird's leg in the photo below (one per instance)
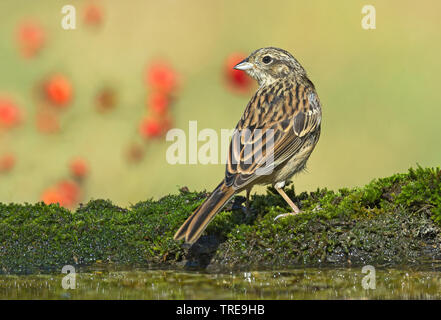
(248, 199)
(247, 203)
(289, 201)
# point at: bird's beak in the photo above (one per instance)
(243, 65)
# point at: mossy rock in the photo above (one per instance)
(392, 221)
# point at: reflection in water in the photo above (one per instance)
(309, 283)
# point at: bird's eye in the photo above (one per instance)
(266, 59)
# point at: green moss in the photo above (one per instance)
(392, 220)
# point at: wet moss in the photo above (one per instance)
(394, 220)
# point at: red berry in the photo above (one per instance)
(150, 128)
(31, 38)
(58, 90)
(79, 168)
(93, 15)
(10, 115)
(52, 195)
(161, 77)
(158, 102)
(69, 192)
(65, 193)
(236, 80)
(7, 163)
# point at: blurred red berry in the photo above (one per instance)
(52, 195)
(58, 90)
(161, 77)
(31, 38)
(10, 115)
(7, 162)
(65, 193)
(150, 128)
(238, 81)
(158, 102)
(47, 122)
(79, 168)
(69, 191)
(93, 15)
(105, 99)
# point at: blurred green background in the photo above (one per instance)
(380, 89)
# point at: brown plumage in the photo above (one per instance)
(272, 141)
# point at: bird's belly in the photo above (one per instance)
(295, 164)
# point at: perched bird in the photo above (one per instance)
(272, 141)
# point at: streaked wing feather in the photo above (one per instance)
(284, 113)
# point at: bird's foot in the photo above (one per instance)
(283, 215)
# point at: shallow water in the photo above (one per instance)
(308, 283)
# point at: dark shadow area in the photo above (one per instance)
(200, 254)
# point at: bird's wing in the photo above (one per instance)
(273, 128)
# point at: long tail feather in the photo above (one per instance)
(193, 227)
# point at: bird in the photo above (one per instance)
(273, 139)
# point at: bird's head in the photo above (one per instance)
(267, 65)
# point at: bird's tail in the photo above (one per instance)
(193, 227)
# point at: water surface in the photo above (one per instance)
(309, 283)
